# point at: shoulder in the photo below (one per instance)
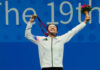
(40, 37)
(59, 36)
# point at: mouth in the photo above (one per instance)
(52, 29)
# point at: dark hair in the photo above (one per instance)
(52, 24)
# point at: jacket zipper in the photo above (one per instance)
(52, 51)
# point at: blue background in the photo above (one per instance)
(17, 53)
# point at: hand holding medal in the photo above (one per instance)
(33, 18)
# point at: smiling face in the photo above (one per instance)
(52, 29)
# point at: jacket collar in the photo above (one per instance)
(52, 37)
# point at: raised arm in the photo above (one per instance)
(67, 36)
(28, 33)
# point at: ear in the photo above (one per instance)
(47, 31)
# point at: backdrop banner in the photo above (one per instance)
(18, 53)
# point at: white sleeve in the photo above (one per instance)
(29, 35)
(67, 36)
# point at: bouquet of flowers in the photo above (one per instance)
(85, 9)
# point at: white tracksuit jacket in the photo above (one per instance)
(51, 49)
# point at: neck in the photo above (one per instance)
(52, 35)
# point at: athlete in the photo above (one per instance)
(51, 47)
